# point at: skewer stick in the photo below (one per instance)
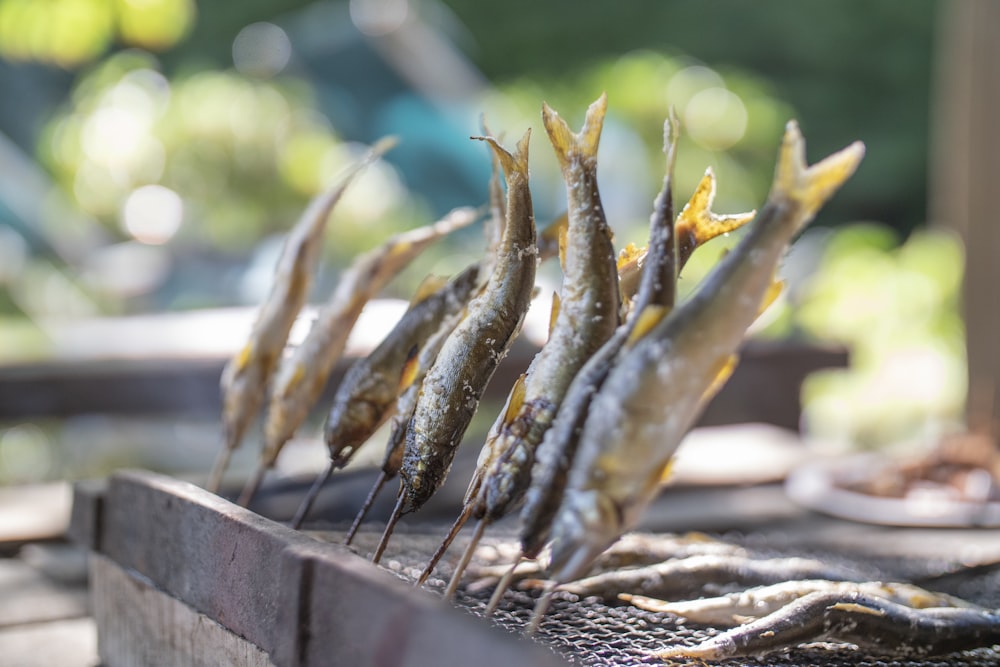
(540, 609)
(253, 484)
(456, 577)
(446, 543)
(219, 469)
(502, 587)
(307, 502)
(397, 512)
(380, 481)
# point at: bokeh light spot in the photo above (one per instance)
(261, 50)
(152, 214)
(25, 454)
(716, 118)
(379, 17)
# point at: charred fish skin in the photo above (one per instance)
(302, 377)
(558, 447)
(450, 393)
(876, 625)
(654, 393)
(368, 393)
(587, 313)
(245, 377)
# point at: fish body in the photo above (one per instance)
(651, 281)
(301, 379)
(367, 395)
(754, 603)
(244, 379)
(587, 316)
(656, 389)
(877, 626)
(451, 391)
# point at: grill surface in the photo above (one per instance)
(589, 632)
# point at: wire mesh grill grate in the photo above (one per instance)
(592, 633)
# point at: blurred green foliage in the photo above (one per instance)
(70, 33)
(855, 69)
(896, 307)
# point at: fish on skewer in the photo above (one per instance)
(413, 377)
(368, 394)
(423, 356)
(245, 377)
(548, 246)
(658, 387)
(585, 316)
(301, 378)
(450, 393)
(874, 624)
(661, 261)
(757, 602)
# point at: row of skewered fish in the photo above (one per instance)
(588, 432)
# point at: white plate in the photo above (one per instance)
(815, 485)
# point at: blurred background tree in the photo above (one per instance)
(153, 152)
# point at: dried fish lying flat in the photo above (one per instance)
(754, 603)
(659, 385)
(450, 393)
(246, 376)
(874, 624)
(681, 578)
(301, 378)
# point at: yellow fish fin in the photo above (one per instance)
(427, 287)
(696, 224)
(411, 368)
(723, 372)
(630, 255)
(244, 356)
(646, 320)
(563, 240)
(857, 608)
(514, 400)
(554, 313)
(516, 163)
(568, 144)
(774, 290)
(667, 471)
(810, 187)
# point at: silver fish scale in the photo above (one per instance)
(590, 633)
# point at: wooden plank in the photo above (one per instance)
(304, 602)
(140, 625)
(352, 615)
(219, 558)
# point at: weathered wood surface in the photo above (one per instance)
(140, 625)
(302, 602)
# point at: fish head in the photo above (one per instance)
(349, 427)
(588, 522)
